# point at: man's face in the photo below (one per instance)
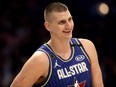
(61, 25)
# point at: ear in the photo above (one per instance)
(46, 24)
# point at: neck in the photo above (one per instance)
(60, 46)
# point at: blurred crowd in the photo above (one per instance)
(22, 32)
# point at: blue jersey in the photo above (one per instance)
(74, 72)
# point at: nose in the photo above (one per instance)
(68, 25)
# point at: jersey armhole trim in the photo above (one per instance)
(82, 48)
(50, 67)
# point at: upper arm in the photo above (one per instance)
(95, 67)
(32, 70)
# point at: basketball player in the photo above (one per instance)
(63, 61)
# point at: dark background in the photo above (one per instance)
(22, 32)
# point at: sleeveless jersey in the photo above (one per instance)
(74, 72)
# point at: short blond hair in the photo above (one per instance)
(54, 7)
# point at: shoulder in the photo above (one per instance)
(86, 43)
(37, 61)
(89, 47)
(39, 57)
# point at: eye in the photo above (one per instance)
(70, 19)
(62, 22)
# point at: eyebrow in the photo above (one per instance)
(64, 19)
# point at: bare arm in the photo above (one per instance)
(32, 70)
(97, 80)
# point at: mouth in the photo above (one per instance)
(66, 31)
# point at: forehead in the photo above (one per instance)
(60, 15)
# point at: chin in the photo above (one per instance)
(69, 37)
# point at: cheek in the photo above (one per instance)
(54, 30)
(72, 25)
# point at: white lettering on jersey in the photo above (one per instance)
(73, 70)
